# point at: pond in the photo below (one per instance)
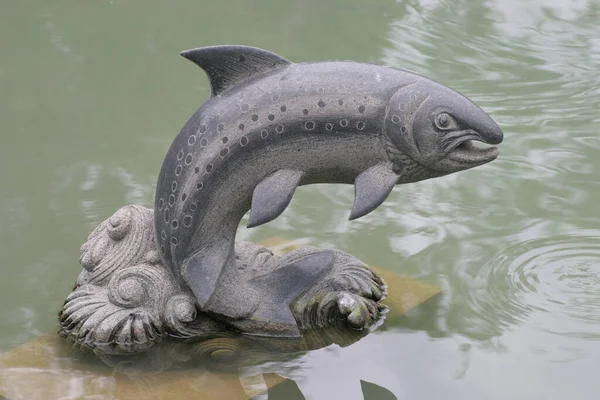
(93, 93)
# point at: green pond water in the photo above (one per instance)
(93, 92)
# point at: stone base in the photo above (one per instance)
(127, 302)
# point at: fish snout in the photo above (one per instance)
(489, 132)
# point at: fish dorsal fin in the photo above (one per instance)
(226, 66)
(372, 187)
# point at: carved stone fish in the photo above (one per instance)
(271, 125)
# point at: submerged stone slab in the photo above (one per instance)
(46, 368)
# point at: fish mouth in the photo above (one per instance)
(466, 152)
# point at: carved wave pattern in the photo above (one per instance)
(120, 240)
(125, 300)
(350, 294)
(180, 313)
(122, 317)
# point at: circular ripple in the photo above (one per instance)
(553, 281)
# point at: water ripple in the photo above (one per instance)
(553, 281)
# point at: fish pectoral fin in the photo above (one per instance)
(285, 284)
(372, 187)
(272, 196)
(226, 66)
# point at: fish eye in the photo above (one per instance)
(443, 120)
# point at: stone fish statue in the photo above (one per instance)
(269, 126)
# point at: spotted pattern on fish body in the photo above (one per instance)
(261, 122)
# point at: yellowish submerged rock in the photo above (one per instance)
(43, 369)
